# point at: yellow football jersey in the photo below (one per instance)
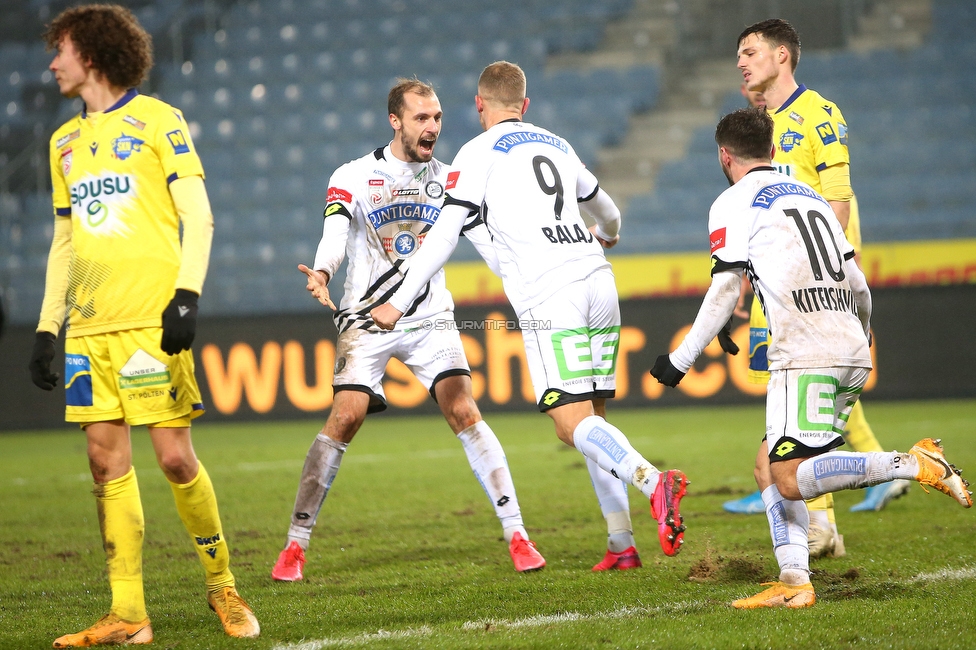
(810, 135)
(111, 173)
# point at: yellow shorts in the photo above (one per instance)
(124, 375)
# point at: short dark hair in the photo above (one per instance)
(746, 133)
(394, 101)
(110, 37)
(776, 32)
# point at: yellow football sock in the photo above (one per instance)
(123, 528)
(858, 433)
(197, 505)
(830, 508)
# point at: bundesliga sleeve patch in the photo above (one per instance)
(337, 194)
(717, 239)
(452, 179)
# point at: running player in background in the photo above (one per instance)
(527, 184)
(785, 237)
(126, 177)
(378, 212)
(811, 145)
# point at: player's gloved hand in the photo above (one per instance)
(665, 372)
(725, 339)
(179, 322)
(40, 362)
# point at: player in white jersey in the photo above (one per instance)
(786, 238)
(526, 183)
(378, 211)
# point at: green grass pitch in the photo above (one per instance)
(407, 552)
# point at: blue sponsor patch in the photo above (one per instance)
(835, 466)
(78, 381)
(126, 145)
(404, 212)
(514, 139)
(766, 196)
(826, 133)
(842, 133)
(789, 140)
(605, 441)
(778, 527)
(178, 141)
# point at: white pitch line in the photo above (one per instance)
(471, 626)
(965, 573)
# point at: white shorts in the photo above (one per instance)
(431, 354)
(571, 342)
(807, 409)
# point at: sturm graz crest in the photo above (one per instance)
(434, 190)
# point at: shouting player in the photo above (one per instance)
(379, 210)
(126, 177)
(525, 183)
(785, 237)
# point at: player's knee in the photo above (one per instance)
(345, 423)
(789, 490)
(177, 466)
(461, 412)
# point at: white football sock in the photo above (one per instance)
(788, 523)
(321, 467)
(612, 494)
(605, 444)
(845, 470)
(490, 467)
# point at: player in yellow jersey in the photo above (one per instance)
(125, 176)
(810, 136)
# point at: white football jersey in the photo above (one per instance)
(526, 182)
(390, 204)
(792, 247)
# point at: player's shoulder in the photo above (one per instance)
(817, 106)
(67, 132)
(360, 166)
(149, 111)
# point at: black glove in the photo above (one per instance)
(665, 372)
(179, 322)
(725, 339)
(40, 362)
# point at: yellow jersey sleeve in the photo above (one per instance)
(174, 146)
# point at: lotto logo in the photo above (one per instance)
(550, 398)
(784, 448)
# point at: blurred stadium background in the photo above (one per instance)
(278, 93)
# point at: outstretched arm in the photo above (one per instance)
(438, 245)
(715, 311)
